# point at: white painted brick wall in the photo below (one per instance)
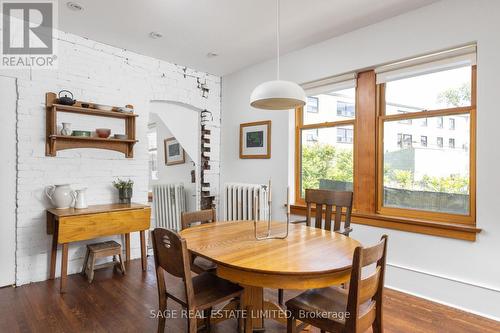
(103, 74)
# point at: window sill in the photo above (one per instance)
(441, 229)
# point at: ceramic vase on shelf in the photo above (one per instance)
(66, 129)
(125, 195)
(60, 195)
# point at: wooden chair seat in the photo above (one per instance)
(209, 290)
(200, 265)
(331, 301)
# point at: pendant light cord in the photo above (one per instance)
(277, 39)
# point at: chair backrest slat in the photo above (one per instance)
(201, 216)
(367, 289)
(328, 217)
(318, 221)
(340, 200)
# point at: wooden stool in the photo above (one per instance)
(101, 250)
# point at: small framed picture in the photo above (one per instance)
(255, 139)
(174, 154)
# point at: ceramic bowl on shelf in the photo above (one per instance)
(103, 107)
(125, 109)
(103, 133)
(81, 133)
(121, 136)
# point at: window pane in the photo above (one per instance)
(332, 106)
(327, 161)
(428, 176)
(441, 90)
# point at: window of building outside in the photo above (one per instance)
(423, 141)
(345, 109)
(439, 142)
(452, 124)
(327, 161)
(440, 122)
(312, 104)
(451, 143)
(153, 152)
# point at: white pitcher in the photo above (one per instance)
(60, 195)
(80, 198)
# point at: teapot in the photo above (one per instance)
(65, 100)
(80, 198)
(59, 195)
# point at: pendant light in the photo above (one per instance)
(278, 94)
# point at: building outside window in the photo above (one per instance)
(439, 142)
(451, 143)
(452, 124)
(345, 109)
(345, 135)
(439, 122)
(423, 122)
(312, 104)
(423, 141)
(407, 141)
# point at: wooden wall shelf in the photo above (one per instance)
(56, 142)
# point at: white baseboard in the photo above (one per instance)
(466, 296)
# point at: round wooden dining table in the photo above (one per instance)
(307, 258)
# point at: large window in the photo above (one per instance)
(402, 139)
(326, 142)
(435, 179)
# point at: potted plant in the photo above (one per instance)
(124, 189)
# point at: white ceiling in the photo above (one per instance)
(242, 32)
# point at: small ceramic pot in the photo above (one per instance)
(125, 195)
(103, 133)
(66, 129)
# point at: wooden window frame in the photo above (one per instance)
(368, 164)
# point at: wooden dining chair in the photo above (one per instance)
(196, 294)
(188, 219)
(334, 309)
(334, 201)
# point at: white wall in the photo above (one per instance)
(103, 74)
(463, 274)
(8, 98)
(178, 173)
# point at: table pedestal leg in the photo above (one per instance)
(253, 299)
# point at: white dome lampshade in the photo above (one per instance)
(278, 95)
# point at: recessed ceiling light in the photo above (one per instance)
(212, 54)
(74, 6)
(155, 35)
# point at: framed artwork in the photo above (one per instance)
(255, 139)
(174, 154)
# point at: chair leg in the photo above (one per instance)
(90, 274)
(377, 326)
(208, 314)
(280, 296)
(291, 325)
(85, 261)
(192, 325)
(239, 317)
(161, 319)
(122, 266)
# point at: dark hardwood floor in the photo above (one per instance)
(115, 303)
